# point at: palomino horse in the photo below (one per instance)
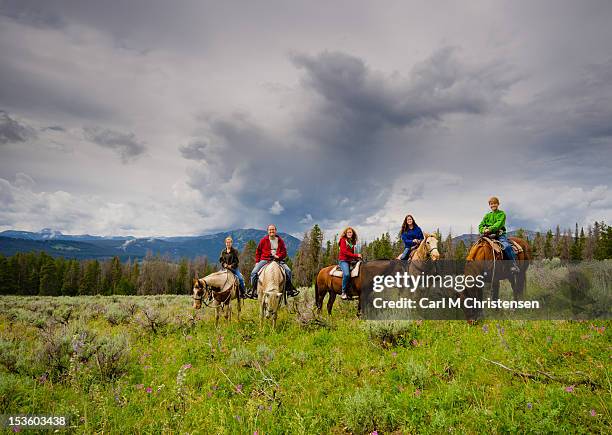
(420, 261)
(217, 291)
(270, 291)
(484, 260)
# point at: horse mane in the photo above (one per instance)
(420, 251)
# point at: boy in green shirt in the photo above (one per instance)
(494, 225)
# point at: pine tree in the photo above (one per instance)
(70, 283)
(90, 280)
(247, 260)
(316, 243)
(549, 245)
(48, 282)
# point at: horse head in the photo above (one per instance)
(271, 284)
(271, 302)
(431, 247)
(201, 291)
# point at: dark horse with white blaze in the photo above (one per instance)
(421, 260)
(484, 260)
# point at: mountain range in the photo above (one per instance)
(85, 246)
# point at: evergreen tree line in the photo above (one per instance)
(41, 274)
(594, 244)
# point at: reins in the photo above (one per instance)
(208, 301)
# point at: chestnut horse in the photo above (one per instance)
(420, 261)
(484, 260)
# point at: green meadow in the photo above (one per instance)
(151, 364)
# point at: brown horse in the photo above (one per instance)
(420, 260)
(484, 260)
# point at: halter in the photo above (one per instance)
(210, 291)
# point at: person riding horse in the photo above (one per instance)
(493, 225)
(411, 236)
(348, 240)
(272, 248)
(229, 259)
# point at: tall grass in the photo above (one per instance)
(112, 370)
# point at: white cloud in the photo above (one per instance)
(276, 208)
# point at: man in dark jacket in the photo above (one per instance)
(272, 248)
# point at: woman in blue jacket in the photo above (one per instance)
(411, 236)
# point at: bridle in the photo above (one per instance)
(209, 290)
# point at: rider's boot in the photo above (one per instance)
(291, 291)
(514, 268)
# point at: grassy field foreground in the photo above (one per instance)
(149, 364)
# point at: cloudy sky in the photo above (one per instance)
(179, 118)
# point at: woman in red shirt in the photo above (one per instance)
(348, 240)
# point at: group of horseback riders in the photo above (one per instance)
(272, 248)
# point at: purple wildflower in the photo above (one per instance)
(16, 429)
(529, 405)
(374, 432)
(569, 389)
(593, 413)
(186, 366)
(485, 328)
(394, 354)
(270, 408)
(237, 417)
(417, 392)
(149, 390)
(239, 388)
(189, 337)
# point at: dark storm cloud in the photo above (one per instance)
(575, 113)
(359, 102)
(124, 144)
(30, 88)
(31, 13)
(343, 168)
(12, 131)
(194, 150)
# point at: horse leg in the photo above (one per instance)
(319, 296)
(330, 301)
(261, 312)
(495, 290)
(518, 286)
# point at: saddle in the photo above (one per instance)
(336, 271)
(497, 246)
(266, 266)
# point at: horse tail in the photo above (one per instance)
(318, 297)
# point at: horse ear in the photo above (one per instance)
(426, 235)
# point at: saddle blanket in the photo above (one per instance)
(336, 271)
(266, 266)
(497, 247)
